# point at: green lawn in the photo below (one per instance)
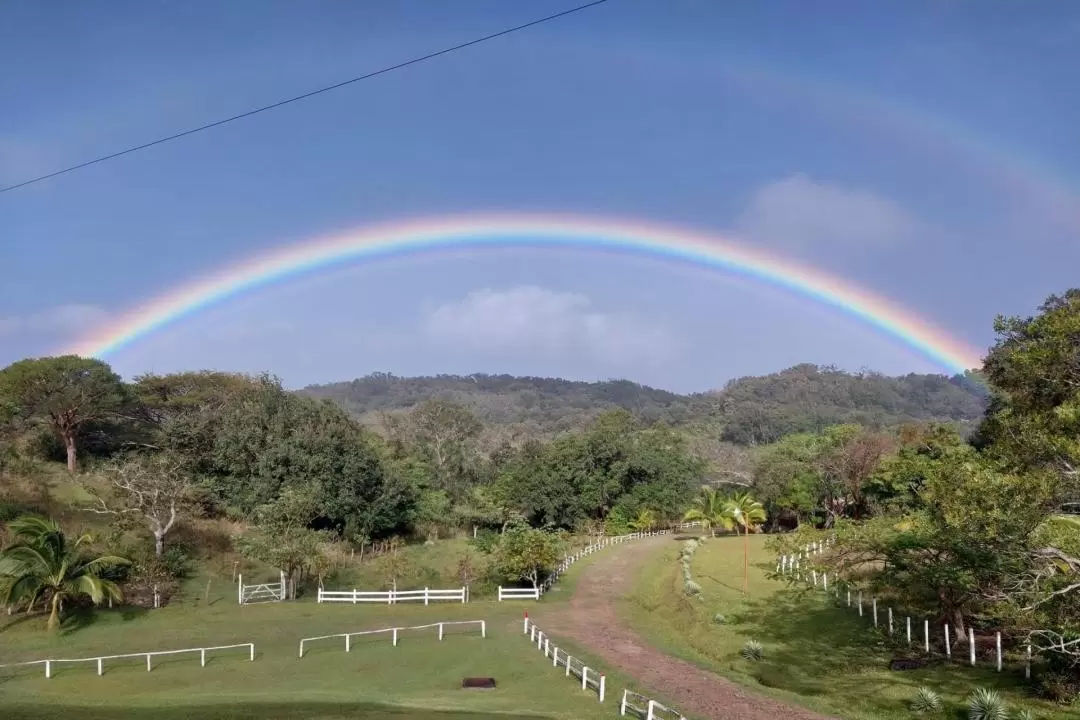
(817, 655)
(418, 679)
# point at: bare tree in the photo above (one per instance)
(155, 487)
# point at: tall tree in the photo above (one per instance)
(744, 514)
(67, 393)
(155, 487)
(44, 564)
(444, 432)
(1034, 371)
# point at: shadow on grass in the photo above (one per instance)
(246, 711)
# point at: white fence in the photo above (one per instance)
(390, 597)
(518, 593)
(792, 565)
(262, 592)
(647, 709)
(589, 550)
(591, 679)
(148, 655)
(394, 632)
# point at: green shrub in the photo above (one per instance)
(1025, 714)
(986, 704)
(752, 650)
(719, 619)
(926, 701)
(485, 541)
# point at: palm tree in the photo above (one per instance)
(742, 512)
(644, 522)
(709, 510)
(44, 564)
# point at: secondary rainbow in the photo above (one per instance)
(493, 230)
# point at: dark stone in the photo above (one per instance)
(479, 682)
(907, 664)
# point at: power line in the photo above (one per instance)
(306, 95)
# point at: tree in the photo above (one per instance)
(68, 393)
(709, 510)
(156, 487)
(394, 565)
(644, 521)
(743, 512)
(283, 538)
(526, 553)
(1034, 371)
(43, 564)
(444, 432)
(855, 456)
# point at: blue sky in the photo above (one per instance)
(925, 150)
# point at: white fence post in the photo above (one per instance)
(849, 597)
(567, 664)
(252, 656)
(547, 646)
(348, 644)
(601, 687)
(555, 657)
(622, 707)
(998, 641)
(948, 644)
(860, 604)
(825, 579)
(584, 677)
(890, 623)
(483, 628)
(875, 612)
(440, 630)
(908, 623)
(525, 627)
(1027, 666)
(100, 670)
(240, 589)
(971, 646)
(48, 669)
(202, 660)
(926, 635)
(395, 637)
(147, 662)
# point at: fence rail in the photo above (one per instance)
(648, 710)
(391, 597)
(590, 678)
(518, 593)
(260, 592)
(100, 660)
(394, 632)
(590, 549)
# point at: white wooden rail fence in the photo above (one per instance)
(590, 677)
(648, 709)
(792, 565)
(394, 632)
(391, 597)
(531, 594)
(148, 655)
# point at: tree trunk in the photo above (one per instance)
(69, 444)
(958, 625)
(159, 543)
(746, 560)
(54, 614)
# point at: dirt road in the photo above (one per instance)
(592, 622)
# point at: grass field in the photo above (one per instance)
(817, 655)
(417, 680)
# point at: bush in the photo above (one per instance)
(1060, 687)
(176, 561)
(1025, 714)
(719, 619)
(752, 651)
(986, 705)
(926, 701)
(485, 541)
(691, 588)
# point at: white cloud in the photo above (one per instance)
(63, 320)
(530, 319)
(798, 213)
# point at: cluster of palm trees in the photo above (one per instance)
(43, 565)
(739, 512)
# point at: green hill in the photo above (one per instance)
(749, 410)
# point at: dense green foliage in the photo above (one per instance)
(751, 410)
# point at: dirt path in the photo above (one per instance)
(591, 621)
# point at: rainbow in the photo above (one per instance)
(495, 230)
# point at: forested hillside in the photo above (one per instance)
(750, 410)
